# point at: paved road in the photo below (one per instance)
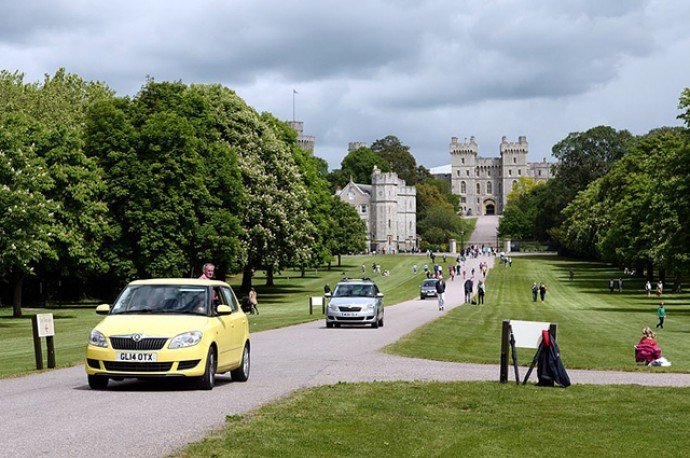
(55, 414)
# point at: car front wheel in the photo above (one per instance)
(241, 374)
(206, 381)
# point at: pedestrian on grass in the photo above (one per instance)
(661, 314)
(480, 292)
(535, 291)
(542, 291)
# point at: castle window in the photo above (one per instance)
(489, 188)
(477, 171)
(351, 195)
(463, 160)
(468, 172)
(510, 173)
(362, 208)
(488, 173)
(514, 160)
(500, 186)
(463, 187)
(520, 172)
(479, 188)
(457, 172)
(540, 173)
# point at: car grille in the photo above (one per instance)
(354, 318)
(146, 343)
(349, 309)
(116, 366)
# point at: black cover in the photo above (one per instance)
(551, 367)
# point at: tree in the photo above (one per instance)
(56, 111)
(27, 222)
(359, 164)
(440, 224)
(347, 232)
(398, 157)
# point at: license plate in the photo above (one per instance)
(137, 357)
(349, 313)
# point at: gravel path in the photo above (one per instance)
(55, 414)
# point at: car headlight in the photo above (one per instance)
(332, 306)
(371, 306)
(188, 339)
(97, 339)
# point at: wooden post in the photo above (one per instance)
(51, 352)
(505, 332)
(37, 343)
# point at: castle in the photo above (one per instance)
(483, 183)
(388, 207)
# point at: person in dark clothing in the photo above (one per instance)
(441, 292)
(542, 291)
(535, 291)
(469, 285)
(480, 292)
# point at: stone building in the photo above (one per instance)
(388, 207)
(483, 183)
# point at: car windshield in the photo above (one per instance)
(429, 283)
(354, 290)
(162, 299)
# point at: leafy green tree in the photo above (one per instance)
(57, 109)
(440, 224)
(347, 233)
(27, 222)
(399, 158)
(359, 164)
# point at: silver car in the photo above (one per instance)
(355, 301)
(428, 288)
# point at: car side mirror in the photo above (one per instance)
(379, 294)
(103, 309)
(223, 310)
(327, 294)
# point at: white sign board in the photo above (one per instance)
(528, 333)
(316, 300)
(45, 324)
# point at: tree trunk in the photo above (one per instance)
(247, 274)
(17, 295)
(329, 264)
(650, 271)
(304, 271)
(338, 260)
(269, 276)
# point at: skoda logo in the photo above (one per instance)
(136, 337)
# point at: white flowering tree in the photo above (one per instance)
(27, 218)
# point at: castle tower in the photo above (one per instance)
(306, 142)
(384, 210)
(464, 172)
(513, 166)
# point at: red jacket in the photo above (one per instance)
(647, 351)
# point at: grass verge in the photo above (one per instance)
(459, 419)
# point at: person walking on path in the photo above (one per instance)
(441, 291)
(480, 292)
(661, 314)
(535, 291)
(468, 290)
(648, 288)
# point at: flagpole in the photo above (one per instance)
(293, 104)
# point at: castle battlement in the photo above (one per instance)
(512, 147)
(470, 147)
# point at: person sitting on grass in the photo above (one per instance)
(647, 349)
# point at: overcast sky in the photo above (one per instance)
(424, 71)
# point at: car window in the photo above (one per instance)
(162, 299)
(230, 298)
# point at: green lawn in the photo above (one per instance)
(596, 328)
(460, 419)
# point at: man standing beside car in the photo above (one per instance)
(440, 291)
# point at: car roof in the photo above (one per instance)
(178, 281)
(356, 280)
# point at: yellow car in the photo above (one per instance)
(170, 327)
